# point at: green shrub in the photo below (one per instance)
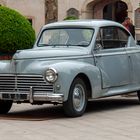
(16, 31)
(70, 18)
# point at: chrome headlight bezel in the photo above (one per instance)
(51, 75)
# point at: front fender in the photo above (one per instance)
(67, 71)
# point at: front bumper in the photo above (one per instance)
(27, 88)
(31, 97)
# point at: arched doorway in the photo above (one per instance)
(116, 11)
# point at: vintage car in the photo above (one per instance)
(71, 63)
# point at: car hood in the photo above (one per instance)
(37, 53)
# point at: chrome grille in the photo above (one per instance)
(11, 83)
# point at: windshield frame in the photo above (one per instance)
(68, 45)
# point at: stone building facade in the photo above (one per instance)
(34, 10)
(115, 10)
(51, 11)
(40, 12)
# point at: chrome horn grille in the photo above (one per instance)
(23, 83)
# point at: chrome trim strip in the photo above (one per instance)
(109, 54)
(132, 51)
(49, 97)
(35, 76)
(31, 97)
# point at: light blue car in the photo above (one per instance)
(71, 63)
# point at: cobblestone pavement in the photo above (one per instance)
(107, 119)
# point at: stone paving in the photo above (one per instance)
(107, 119)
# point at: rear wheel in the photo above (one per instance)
(5, 106)
(77, 100)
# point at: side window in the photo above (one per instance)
(112, 37)
(109, 33)
(98, 44)
(123, 37)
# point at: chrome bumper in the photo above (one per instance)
(31, 97)
(27, 88)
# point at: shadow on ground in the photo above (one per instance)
(35, 114)
(111, 104)
(56, 112)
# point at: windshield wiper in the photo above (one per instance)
(81, 45)
(68, 45)
(42, 45)
(52, 45)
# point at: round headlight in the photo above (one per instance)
(51, 75)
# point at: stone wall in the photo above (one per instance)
(32, 9)
(2, 2)
(46, 11)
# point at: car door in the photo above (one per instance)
(111, 58)
(133, 51)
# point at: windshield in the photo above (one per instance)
(66, 37)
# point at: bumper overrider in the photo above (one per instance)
(27, 88)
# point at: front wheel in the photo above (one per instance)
(5, 106)
(77, 100)
(138, 94)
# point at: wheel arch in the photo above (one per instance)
(87, 82)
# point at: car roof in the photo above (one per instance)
(85, 23)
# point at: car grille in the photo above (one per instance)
(23, 83)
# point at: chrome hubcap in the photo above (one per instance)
(78, 97)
